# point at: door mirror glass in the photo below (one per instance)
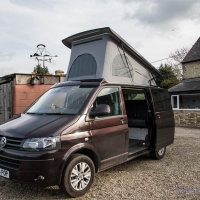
(100, 110)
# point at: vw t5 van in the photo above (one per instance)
(83, 126)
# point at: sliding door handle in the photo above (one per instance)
(122, 120)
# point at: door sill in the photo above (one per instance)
(138, 151)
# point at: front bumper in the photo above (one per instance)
(25, 167)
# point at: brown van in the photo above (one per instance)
(81, 127)
(78, 128)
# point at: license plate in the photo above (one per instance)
(4, 173)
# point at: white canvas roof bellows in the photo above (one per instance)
(101, 53)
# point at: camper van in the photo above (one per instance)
(106, 112)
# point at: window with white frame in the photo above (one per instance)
(175, 101)
(185, 101)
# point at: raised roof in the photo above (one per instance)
(95, 32)
(102, 53)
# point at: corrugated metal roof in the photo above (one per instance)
(95, 32)
(194, 53)
(7, 78)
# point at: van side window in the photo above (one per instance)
(109, 96)
(161, 100)
(133, 96)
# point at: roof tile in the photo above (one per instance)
(194, 53)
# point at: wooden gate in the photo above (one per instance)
(5, 102)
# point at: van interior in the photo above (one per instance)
(137, 114)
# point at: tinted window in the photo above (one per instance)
(161, 100)
(109, 96)
(120, 68)
(84, 65)
(133, 94)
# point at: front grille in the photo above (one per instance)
(9, 162)
(13, 143)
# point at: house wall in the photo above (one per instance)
(191, 70)
(187, 118)
(25, 95)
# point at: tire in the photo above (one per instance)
(78, 176)
(158, 154)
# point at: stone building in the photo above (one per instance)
(185, 97)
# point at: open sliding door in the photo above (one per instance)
(164, 117)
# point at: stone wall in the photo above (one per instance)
(191, 70)
(187, 118)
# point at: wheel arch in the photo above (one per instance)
(80, 149)
(91, 155)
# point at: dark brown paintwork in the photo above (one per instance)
(164, 123)
(108, 138)
(34, 126)
(105, 140)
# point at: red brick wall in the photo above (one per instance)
(25, 95)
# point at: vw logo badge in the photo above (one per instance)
(3, 142)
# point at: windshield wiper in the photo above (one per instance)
(59, 114)
(50, 113)
(31, 113)
(35, 113)
(53, 113)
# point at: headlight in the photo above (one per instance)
(39, 144)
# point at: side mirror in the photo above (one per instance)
(100, 110)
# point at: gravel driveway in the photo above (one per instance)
(176, 176)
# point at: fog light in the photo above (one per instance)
(39, 178)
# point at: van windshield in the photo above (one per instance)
(61, 100)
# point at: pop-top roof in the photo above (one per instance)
(95, 32)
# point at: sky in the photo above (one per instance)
(155, 28)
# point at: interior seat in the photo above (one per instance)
(136, 112)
